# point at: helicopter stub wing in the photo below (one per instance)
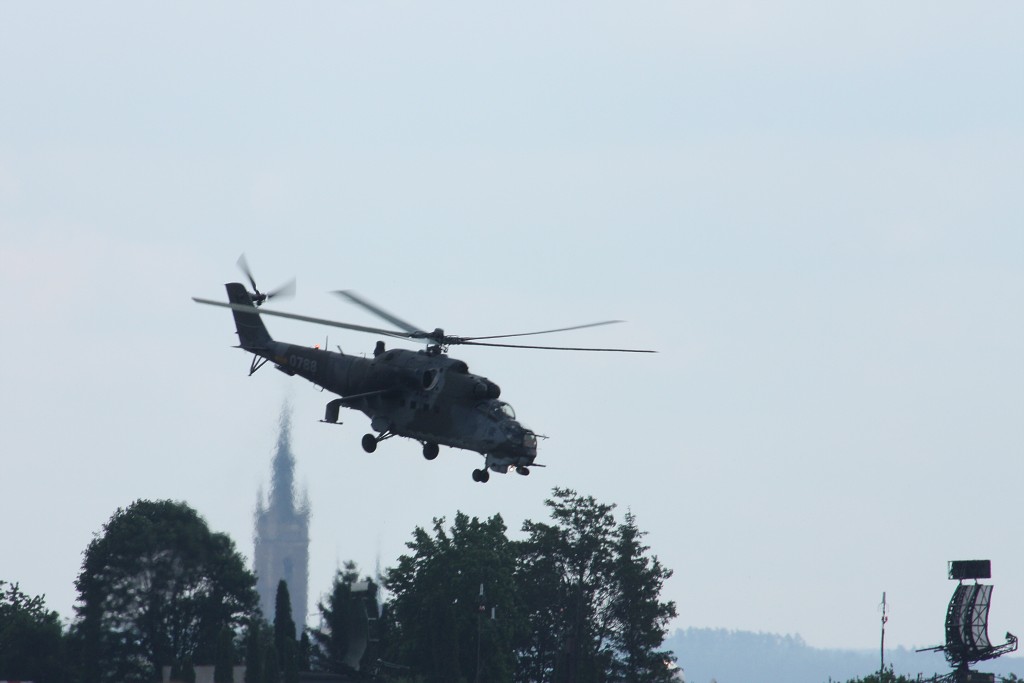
(367, 394)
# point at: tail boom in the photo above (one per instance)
(252, 333)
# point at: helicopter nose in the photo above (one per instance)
(530, 441)
(526, 442)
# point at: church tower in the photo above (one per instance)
(282, 534)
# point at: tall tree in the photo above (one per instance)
(305, 651)
(284, 626)
(31, 637)
(350, 621)
(337, 619)
(290, 668)
(577, 600)
(224, 664)
(184, 671)
(271, 670)
(156, 587)
(440, 624)
(640, 619)
(569, 565)
(254, 652)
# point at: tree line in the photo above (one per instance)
(576, 599)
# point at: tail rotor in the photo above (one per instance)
(258, 297)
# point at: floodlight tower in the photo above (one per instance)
(967, 639)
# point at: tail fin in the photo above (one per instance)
(252, 333)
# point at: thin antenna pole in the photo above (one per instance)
(479, 618)
(885, 618)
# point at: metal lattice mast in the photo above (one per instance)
(885, 618)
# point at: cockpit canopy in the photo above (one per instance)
(497, 410)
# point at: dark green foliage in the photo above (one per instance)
(305, 652)
(254, 653)
(157, 587)
(284, 624)
(887, 677)
(183, 672)
(332, 638)
(223, 666)
(436, 622)
(639, 618)
(290, 667)
(340, 615)
(348, 640)
(284, 635)
(577, 600)
(591, 595)
(31, 639)
(271, 673)
(568, 566)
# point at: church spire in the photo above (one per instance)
(281, 536)
(282, 486)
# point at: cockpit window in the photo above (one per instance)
(498, 410)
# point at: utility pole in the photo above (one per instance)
(885, 618)
(479, 618)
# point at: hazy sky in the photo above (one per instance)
(814, 211)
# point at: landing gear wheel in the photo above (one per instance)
(430, 450)
(525, 471)
(481, 476)
(369, 443)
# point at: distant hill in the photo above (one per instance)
(746, 657)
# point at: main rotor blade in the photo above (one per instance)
(377, 310)
(304, 318)
(244, 265)
(560, 329)
(556, 348)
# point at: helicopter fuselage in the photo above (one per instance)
(422, 395)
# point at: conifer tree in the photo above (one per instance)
(224, 664)
(271, 670)
(305, 652)
(254, 653)
(336, 616)
(640, 618)
(284, 625)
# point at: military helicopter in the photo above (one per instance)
(423, 395)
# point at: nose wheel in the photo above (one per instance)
(430, 450)
(481, 475)
(370, 441)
